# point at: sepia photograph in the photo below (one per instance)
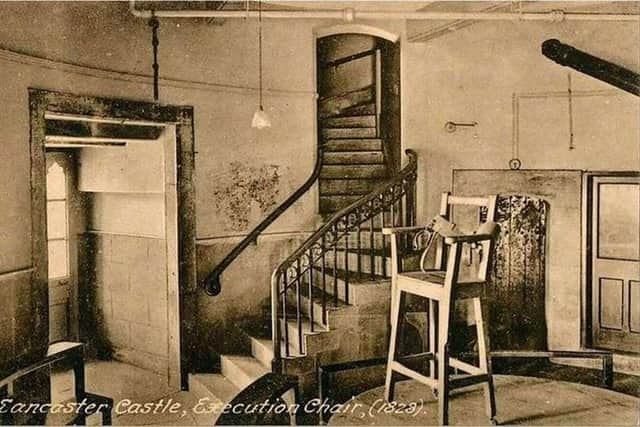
(309, 212)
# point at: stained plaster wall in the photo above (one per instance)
(229, 152)
(471, 75)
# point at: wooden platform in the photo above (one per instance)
(520, 400)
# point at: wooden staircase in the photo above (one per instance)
(353, 161)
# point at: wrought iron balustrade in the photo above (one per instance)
(322, 265)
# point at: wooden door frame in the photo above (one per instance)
(587, 248)
(42, 101)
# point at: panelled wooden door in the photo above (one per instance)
(615, 263)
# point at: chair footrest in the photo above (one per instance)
(467, 380)
(418, 356)
(403, 370)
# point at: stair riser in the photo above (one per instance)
(298, 346)
(360, 157)
(263, 353)
(316, 307)
(353, 171)
(347, 186)
(350, 121)
(336, 105)
(353, 264)
(329, 133)
(235, 374)
(365, 239)
(359, 294)
(335, 203)
(360, 110)
(353, 145)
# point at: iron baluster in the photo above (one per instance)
(346, 262)
(384, 243)
(335, 265)
(324, 280)
(298, 303)
(284, 313)
(359, 250)
(310, 267)
(372, 246)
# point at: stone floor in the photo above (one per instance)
(520, 400)
(131, 389)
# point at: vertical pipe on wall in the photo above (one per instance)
(154, 24)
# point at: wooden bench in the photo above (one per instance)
(70, 354)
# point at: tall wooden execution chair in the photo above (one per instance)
(442, 286)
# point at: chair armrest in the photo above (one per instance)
(398, 230)
(468, 238)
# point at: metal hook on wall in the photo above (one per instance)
(453, 126)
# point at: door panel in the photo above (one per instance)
(615, 262)
(611, 303)
(634, 306)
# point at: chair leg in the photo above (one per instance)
(484, 357)
(397, 301)
(432, 338)
(444, 317)
(443, 383)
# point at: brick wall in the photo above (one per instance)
(126, 299)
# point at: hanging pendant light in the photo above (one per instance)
(260, 118)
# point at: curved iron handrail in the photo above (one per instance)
(408, 170)
(369, 206)
(211, 283)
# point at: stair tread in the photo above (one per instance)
(264, 342)
(218, 385)
(367, 151)
(353, 279)
(337, 116)
(304, 322)
(248, 364)
(317, 295)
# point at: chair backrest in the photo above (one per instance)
(473, 222)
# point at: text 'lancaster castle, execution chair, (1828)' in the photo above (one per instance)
(441, 287)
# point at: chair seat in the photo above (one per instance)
(435, 277)
(430, 283)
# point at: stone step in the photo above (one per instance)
(336, 105)
(362, 292)
(241, 370)
(216, 387)
(360, 110)
(353, 171)
(353, 157)
(350, 121)
(334, 203)
(348, 186)
(358, 144)
(349, 133)
(262, 350)
(365, 262)
(331, 305)
(304, 346)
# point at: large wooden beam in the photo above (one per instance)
(593, 66)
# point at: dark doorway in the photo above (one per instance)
(88, 123)
(358, 116)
